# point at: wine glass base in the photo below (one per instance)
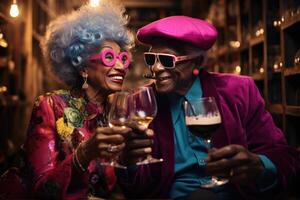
(214, 182)
(113, 164)
(149, 161)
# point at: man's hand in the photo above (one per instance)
(235, 163)
(138, 144)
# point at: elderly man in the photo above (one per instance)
(249, 150)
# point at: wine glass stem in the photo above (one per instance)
(208, 143)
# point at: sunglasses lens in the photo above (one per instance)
(149, 59)
(167, 61)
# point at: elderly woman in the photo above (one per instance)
(67, 137)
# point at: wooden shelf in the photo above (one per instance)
(3, 62)
(293, 110)
(233, 50)
(138, 23)
(4, 16)
(277, 71)
(46, 9)
(258, 76)
(257, 40)
(244, 47)
(37, 36)
(289, 71)
(149, 4)
(290, 22)
(10, 101)
(279, 39)
(276, 108)
(222, 50)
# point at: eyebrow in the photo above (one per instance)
(170, 51)
(106, 47)
(120, 50)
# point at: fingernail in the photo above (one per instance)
(142, 127)
(149, 133)
(148, 150)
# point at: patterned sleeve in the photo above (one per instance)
(52, 168)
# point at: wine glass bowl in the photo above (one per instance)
(118, 116)
(143, 109)
(203, 118)
(143, 106)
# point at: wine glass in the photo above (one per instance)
(143, 109)
(203, 118)
(117, 117)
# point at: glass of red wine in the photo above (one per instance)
(203, 118)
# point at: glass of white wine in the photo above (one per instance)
(118, 116)
(143, 109)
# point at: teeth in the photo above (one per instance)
(117, 77)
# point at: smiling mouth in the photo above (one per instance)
(116, 78)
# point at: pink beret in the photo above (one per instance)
(195, 31)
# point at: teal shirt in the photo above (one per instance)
(191, 150)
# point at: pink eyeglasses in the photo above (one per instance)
(109, 58)
(168, 61)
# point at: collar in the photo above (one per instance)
(195, 92)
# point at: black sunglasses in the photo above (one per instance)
(167, 60)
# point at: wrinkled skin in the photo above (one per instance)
(138, 145)
(235, 163)
(139, 142)
(97, 145)
(102, 81)
(177, 80)
(246, 166)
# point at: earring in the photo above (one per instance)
(85, 85)
(196, 72)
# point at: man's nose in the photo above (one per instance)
(157, 67)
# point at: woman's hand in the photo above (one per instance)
(106, 143)
(138, 145)
(235, 163)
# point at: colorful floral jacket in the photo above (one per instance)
(59, 122)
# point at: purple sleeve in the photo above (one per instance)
(265, 138)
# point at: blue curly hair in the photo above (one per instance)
(72, 38)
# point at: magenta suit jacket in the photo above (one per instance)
(244, 121)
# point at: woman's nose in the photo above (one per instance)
(119, 65)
